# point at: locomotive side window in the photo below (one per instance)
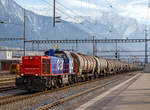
(46, 66)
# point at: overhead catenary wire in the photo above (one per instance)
(66, 14)
(74, 14)
(72, 11)
(78, 15)
(68, 9)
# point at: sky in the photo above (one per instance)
(137, 9)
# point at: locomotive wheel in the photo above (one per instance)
(54, 83)
(46, 89)
(59, 82)
(70, 80)
(75, 79)
(29, 90)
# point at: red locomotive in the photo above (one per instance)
(41, 72)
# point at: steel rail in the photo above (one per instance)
(22, 96)
(58, 102)
(3, 89)
(6, 79)
(4, 83)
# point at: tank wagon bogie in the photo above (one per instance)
(58, 68)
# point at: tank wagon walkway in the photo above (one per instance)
(132, 95)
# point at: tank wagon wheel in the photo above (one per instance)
(96, 76)
(80, 79)
(106, 74)
(101, 74)
(45, 89)
(87, 78)
(90, 77)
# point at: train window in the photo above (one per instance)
(46, 66)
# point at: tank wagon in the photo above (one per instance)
(58, 68)
(101, 66)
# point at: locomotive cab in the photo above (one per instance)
(32, 70)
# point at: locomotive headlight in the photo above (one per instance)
(31, 58)
(36, 75)
(18, 76)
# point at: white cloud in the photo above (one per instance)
(138, 2)
(40, 9)
(77, 3)
(136, 10)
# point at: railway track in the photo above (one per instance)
(4, 73)
(7, 79)
(56, 103)
(6, 83)
(8, 88)
(25, 95)
(66, 99)
(22, 96)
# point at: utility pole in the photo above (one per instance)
(54, 13)
(146, 56)
(116, 53)
(24, 32)
(76, 45)
(94, 47)
(56, 19)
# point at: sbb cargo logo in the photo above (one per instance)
(60, 65)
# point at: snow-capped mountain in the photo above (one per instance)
(108, 25)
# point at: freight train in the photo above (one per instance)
(58, 68)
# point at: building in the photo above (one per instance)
(13, 55)
(5, 55)
(6, 58)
